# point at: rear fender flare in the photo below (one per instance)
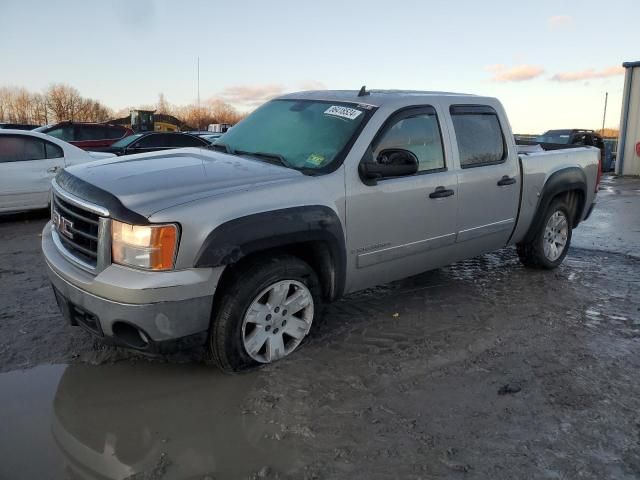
(562, 181)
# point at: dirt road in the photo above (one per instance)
(479, 370)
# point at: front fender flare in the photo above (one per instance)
(237, 238)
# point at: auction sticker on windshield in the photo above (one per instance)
(343, 112)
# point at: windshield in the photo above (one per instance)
(126, 140)
(304, 134)
(555, 136)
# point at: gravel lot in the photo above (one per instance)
(479, 370)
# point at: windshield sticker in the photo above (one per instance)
(343, 112)
(315, 159)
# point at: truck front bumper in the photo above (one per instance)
(129, 307)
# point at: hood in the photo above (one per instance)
(150, 182)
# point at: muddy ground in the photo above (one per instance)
(482, 369)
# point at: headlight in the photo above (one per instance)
(152, 247)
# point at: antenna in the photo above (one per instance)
(199, 94)
(604, 115)
(363, 91)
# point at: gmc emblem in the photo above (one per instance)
(63, 225)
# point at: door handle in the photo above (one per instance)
(506, 180)
(441, 192)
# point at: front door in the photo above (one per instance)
(404, 225)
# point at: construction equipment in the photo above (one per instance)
(149, 121)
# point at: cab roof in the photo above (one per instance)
(377, 98)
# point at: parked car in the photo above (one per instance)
(312, 196)
(208, 136)
(576, 137)
(87, 136)
(28, 162)
(153, 141)
(18, 126)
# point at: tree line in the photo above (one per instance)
(57, 103)
(60, 102)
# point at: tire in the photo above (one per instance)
(545, 250)
(254, 306)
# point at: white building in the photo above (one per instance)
(628, 160)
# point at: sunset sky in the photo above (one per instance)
(550, 62)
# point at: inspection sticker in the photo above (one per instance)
(343, 112)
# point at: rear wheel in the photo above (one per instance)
(551, 243)
(265, 313)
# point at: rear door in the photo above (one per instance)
(27, 166)
(488, 178)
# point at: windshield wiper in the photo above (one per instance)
(268, 156)
(221, 147)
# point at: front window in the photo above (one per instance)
(303, 134)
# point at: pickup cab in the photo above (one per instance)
(313, 196)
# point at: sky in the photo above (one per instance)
(550, 62)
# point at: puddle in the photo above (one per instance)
(135, 421)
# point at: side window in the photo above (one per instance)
(155, 140)
(479, 135)
(53, 151)
(417, 131)
(185, 141)
(18, 149)
(91, 132)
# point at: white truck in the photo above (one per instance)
(313, 196)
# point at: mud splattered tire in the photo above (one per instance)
(264, 314)
(551, 242)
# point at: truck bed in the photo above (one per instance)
(538, 163)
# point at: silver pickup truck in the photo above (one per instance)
(313, 196)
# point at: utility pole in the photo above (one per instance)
(199, 95)
(604, 115)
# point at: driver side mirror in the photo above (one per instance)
(391, 162)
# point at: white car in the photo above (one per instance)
(28, 162)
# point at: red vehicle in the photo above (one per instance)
(88, 136)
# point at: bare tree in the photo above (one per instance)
(61, 102)
(163, 105)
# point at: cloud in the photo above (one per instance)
(250, 95)
(559, 21)
(587, 74)
(517, 73)
(312, 85)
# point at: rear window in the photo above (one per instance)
(478, 134)
(114, 132)
(127, 140)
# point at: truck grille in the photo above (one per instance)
(77, 230)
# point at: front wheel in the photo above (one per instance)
(264, 314)
(551, 243)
